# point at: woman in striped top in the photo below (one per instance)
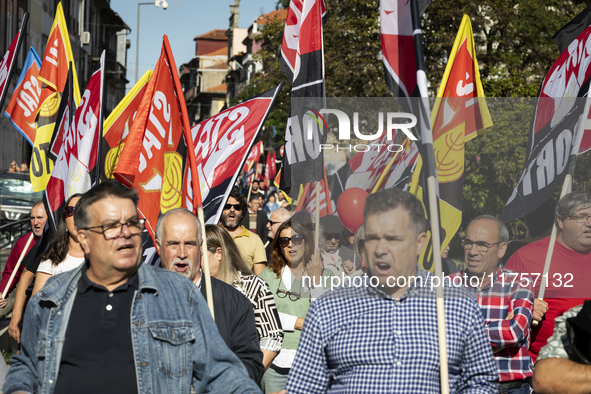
(227, 265)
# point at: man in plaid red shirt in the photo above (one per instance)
(506, 301)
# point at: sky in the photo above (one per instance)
(181, 22)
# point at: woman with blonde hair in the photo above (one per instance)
(227, 265)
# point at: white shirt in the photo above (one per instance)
(67, 265)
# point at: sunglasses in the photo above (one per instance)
(69, 211)
(297, 239)
(237, 207)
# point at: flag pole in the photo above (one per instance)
(424, 123)
(317, 219)
(566, 188)
(17, 266)
(564, 191)
(206, 273)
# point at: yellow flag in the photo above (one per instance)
(118, 124)
(460, 113)
(41, 165)
(53, 75)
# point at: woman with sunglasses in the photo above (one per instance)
(64, 252)
(291, 275)
(227, 265)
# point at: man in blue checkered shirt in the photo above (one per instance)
(383, 338)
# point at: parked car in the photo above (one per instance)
(16, 196)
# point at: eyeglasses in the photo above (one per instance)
(69, 211)
(114, 230)
(272, 223)
(581, 218)
(292, 296)
(480, 245)
(237, 207)
(297, 239)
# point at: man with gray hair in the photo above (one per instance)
(115, 325)
(381, 337)
(178, 241)
(567, 282)
(277, 218)
(506, 301)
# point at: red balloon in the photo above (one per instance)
(350, 208)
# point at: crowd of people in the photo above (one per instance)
(100, 321)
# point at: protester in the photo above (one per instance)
(281, 201)
(336, 258)
(226, 264)
(178, 241)
(359, 250)
(278, 216)
(293, 276)
(447, 265)
(22, 279)
(539, 225)
(250, 245)
(38, 218)
(383, 338)
(256, 220)
(13, 167)
(271, 204)
(570, 265)
(114, 325)
(564, 363)
(506, 304)
(257, 186)
(64, 252)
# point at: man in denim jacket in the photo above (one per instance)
(116, 326)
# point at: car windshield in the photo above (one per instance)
(16, 196)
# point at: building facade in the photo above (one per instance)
(92, 27)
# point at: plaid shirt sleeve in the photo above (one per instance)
(514, 332)
(309, 373)
(478, 365)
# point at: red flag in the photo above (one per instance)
(221, 145)
(23, 105)
(270, 169)
(253, 158)
(75, 169)
(7, 63)
(307, 201)
(154, 159)
(56, 58)
(118, 124)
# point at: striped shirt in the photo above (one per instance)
(265, 312)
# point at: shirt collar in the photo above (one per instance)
(490, 284)
(412, 289)
(85, 283)
(245, 233)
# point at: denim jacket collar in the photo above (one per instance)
(59, 290)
